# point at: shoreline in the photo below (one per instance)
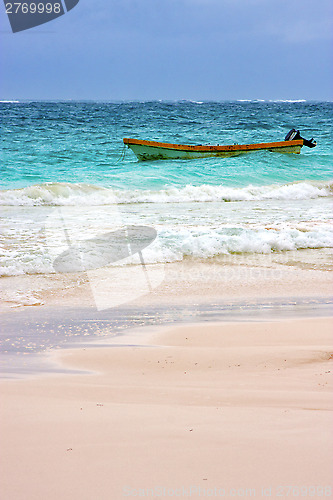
(233, 405)
(211, 385)
(32, 337)
(301, 273)
(166, 327)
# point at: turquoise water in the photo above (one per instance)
(71, 155)
(82, 143)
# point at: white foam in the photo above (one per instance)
(58, 194)
(18, 299)
(211, 243)
(174, 244)
(62, 194)
(287, 100)
(271, 100)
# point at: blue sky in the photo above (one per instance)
(173, 49)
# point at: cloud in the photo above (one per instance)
(289, 21)
(175, 48)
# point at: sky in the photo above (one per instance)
(173, 49)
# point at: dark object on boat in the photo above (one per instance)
(294, 135)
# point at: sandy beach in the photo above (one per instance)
(238, 409)
(166, 325)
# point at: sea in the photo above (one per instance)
(71, 155)
(67, 179)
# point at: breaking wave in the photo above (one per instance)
(65, 194)
(271, 100)
(175, 244)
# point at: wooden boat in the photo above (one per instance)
(152, 150)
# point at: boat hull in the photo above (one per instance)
(151, 150)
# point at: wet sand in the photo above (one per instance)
(204, 410)
(305, 273)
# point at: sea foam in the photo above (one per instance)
(62, 194)
(175, 244)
